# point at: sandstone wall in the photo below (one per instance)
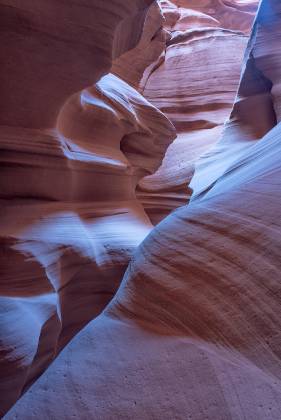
(70, 162)
(194, 330)
(194, 85)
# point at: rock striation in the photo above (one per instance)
(194, 330)
(256, 109)
(70, 163)
(195, 87)
(135, 64)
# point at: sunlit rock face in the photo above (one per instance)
(70, 163)
(194, 85)
(194, 330)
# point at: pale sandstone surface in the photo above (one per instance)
(66, 251)
(257, 105)
(195, 86)
(70, 162)
(194, 330)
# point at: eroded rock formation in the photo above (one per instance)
(194, 329)
(194, 85)
(134, 65)
(256, 108)
(70, 220)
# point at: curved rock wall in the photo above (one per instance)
(194, 330)
(67, 41)
(195, 86)
(70, 163)
(135, 63)
(256, 108)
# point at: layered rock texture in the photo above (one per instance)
(70, 163)
(256, 108)
(194, 85)
(193, 332)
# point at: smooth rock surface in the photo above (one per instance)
(70, 163)
(73, 46)
(194, 330)
(134, 65)
(257, 105)
(195, 86)
(66, 249)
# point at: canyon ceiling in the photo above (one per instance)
(140, 209)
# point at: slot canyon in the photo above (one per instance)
(140, 192)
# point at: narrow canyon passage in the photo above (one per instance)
(114, 116)
(195, 87)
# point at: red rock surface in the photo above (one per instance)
(132, 65)
(194, 329)
(70, 163)
(195, 87)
